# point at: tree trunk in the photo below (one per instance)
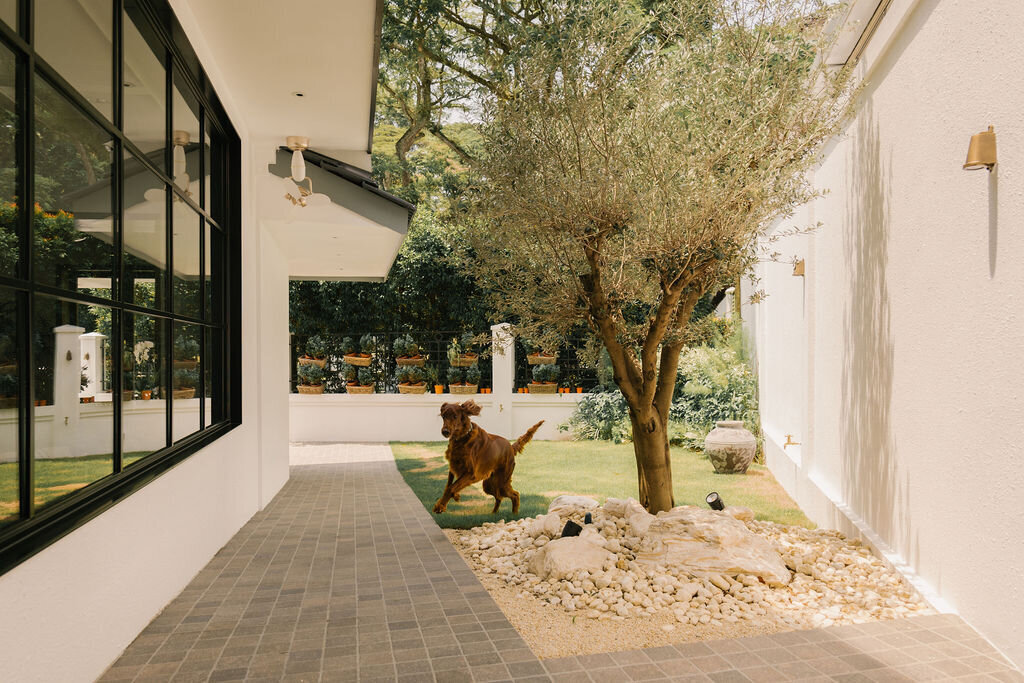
(653, 464)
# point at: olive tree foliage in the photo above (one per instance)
(633, 168)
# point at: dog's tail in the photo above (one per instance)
(519, 444)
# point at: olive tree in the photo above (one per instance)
(633, 167)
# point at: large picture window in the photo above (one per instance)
(118, 260)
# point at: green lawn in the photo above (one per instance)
(55, 478)
(595, 468)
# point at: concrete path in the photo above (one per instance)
(346, 577)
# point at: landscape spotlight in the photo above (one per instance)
(715, 501)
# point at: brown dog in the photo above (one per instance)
(474, 455)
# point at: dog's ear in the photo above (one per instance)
(445, 407)
(470, 407)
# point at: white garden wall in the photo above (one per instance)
(895, 361)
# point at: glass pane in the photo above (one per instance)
(73, 227)
(211, 361)
(187, 226)
(145, 235)
(8, 166)
(74, 37)
(9, 13)
(74, 421)
(185, 377)
(206, 167)
(212, 247)
(215, 176)
(144, 418)
(185, 138)
(9, 508)
(145, 94)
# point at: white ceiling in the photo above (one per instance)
(269, 49)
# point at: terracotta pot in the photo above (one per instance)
(86, 399)
(579, 390)
(730, 447)
(147, 394)
(438, 388)
(310, 389)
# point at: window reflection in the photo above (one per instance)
(73, 415)
(187, 226)
(8, 166)
(186, 141)
(144, 418)
(74, 37)
(185, 377)
(9, 13)
(9, 508)
(145, 94)
(73, 230)
(145, 235)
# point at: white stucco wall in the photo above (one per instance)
(93, 591)
(907, 333)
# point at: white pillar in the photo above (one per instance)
(503, 372)
(67, 381)
(92, 359)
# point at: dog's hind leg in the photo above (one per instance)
(491, 488)
(510, 492)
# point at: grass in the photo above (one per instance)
(593, 468)
(56, 477)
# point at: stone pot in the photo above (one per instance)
(730, 447)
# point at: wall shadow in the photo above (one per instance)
(867, 442)
(993, 220)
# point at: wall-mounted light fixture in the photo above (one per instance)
(798, 268)
(982, 151)
(294, 191)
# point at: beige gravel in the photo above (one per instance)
(552, 632)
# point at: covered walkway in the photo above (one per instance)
(346, 577)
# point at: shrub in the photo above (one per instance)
(8, 385)
(348, 347)
(368, 343)
(316, 347)
(349, 373)
(546, 373)
(366, 377)
(311, 375)
(185, 348)
(402, 375)
(414, 375)
(473, 375)
(600, 416)
(406, 346)
(188, 379)
(455, 375)
(713, 384)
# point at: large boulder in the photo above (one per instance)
(632, 511)
(565, 501)
(709, 542)
(563, 556)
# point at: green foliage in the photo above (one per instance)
(8, 384)
(368, 343)
(405, 346)
(546, 373)
(473, 375)
(456, 375)
(410, 375)
(365, 377)
(186, 347)
(316, 347)
(348, 347)
(600, 416)
(310, 375)
(349, 373)
(185, 378)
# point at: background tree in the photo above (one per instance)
(631, 170)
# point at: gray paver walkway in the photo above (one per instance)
(345, 577)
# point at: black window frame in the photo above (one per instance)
(34, 531)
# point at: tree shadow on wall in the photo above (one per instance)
(871, 484)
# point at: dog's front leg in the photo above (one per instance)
(451, 491)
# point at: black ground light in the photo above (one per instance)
(571, 529)
(715, 501)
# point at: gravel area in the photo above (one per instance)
(628, 606)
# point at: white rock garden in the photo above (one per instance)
(701, 566)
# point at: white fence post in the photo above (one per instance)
(92, 359)
(67, 382)
(503, 370)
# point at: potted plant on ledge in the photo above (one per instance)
(545, 379)
(535, 355)
(463, 381)
(408, 353)
(311, 379)
(316, 352)
(185, 382)
(411, 381)
(362, 383)
(362, 358)
(460, 354)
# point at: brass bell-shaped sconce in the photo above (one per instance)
(982, 151)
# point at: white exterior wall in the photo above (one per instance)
(95, 589)
(397, 417)
(897, 359)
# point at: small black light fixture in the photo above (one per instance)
(571, 528)
(588, 518)
(714, 501)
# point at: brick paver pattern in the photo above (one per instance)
(345, 577)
